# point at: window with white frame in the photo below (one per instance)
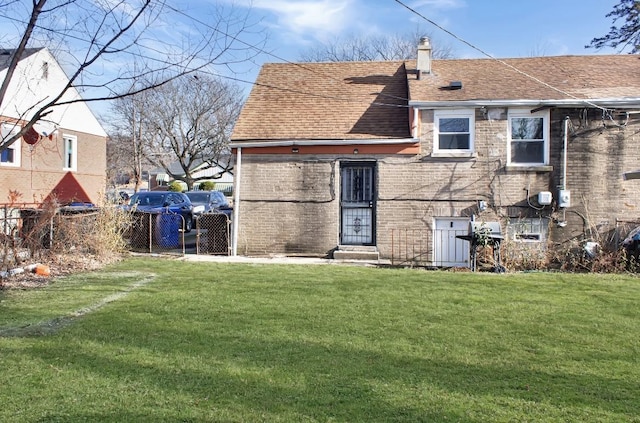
(528, 229)
(453, 131)
(11, 155)
(528, 137)
(70, 152)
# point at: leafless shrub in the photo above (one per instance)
(520, 256)
(96, 232)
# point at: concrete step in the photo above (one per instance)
(356, 253)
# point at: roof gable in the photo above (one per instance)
(38, 79)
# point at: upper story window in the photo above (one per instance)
(70, 152)
(528, 137)
(11, 155)
(453, 131)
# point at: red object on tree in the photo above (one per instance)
(31, 136)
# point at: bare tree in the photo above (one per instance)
(94, 39)
(189, 121)
(126, 150)
(625, 35)
(373, 48)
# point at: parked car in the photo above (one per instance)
(209, 202)
(163, 201)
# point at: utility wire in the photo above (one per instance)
(307, 68)
(498, 60)
(233, 37)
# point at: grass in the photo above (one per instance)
(150, 340)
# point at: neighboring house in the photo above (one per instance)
(223, 180)
(397, 158)
(64, 158)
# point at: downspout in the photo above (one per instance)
(563, 185)
(415, 129)
(564, 153)
(236, 202)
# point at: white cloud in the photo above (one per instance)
(314, 18)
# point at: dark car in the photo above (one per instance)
(163, 201)
(209, 202)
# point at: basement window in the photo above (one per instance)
(528, 229)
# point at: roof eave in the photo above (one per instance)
(590, 102)
(310, 142)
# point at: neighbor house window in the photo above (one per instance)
(528, 229)
(11, 155)
(70, 152)
(453, 130)
(528, 137)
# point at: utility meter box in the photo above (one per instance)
(544, 198)
(564, 198)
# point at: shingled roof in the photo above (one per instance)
(369, 100)
(581, 77)
(326, 101)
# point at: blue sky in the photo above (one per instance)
(504, 28)
(501, 28)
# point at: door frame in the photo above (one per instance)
(369, 201)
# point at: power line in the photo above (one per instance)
(302, 66)
(498, 60)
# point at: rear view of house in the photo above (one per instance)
(399, 159)
(63, 159)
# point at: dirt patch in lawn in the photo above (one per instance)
(57, 265)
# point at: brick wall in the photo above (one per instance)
(290, 203)
(600, 151)
(41, 168)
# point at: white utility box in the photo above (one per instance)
(544, 198)
(564, 198)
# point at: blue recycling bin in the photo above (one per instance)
(167, 230)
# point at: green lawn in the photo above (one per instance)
(170, 341)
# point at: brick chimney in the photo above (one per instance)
(424, 56)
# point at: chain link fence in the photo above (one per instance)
(156, 232)
(31, 232)
(28, 232)
(213, 234)
(165, 233)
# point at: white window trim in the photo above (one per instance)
(453, 113)
(74, 158)
(546, 133)
(16, 146)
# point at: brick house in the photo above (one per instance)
(395, 159)
(64, 157)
